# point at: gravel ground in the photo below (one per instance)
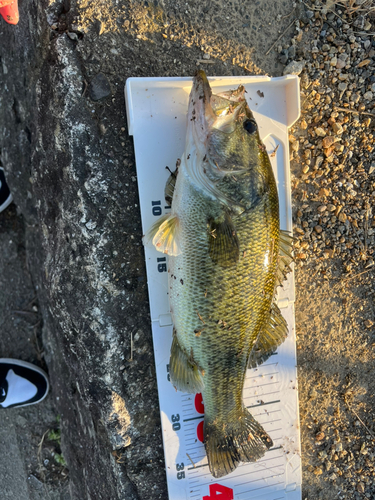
(333, 167)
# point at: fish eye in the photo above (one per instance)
(250, 126)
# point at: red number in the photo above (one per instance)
(198, 403)
(200, 431)
(220, 492)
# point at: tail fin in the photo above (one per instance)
(229, 443)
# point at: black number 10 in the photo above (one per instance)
(156, 208)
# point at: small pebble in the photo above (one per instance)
(319, 436)
(283, 57)
(337, 128)
(368, 96)
(320, 132)
(99, 87)
(360, 487)
(90, 225)
(294, 68)
(328, 151)
(367, 25)
(328, 141)
(292, 52)
(73, 36)
(318, 162)
(333, 61)
(367, 121)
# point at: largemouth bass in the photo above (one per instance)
(227, 256)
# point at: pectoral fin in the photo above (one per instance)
(274, 333)
(185, 374)
(224, 247)
(285, 257)
(165, 235)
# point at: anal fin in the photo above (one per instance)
(273, 334)
(185, 374)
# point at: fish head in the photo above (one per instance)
(222, 132)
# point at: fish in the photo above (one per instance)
(226, 257)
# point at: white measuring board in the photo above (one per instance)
(157, 115)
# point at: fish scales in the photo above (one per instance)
(227, 299)
(223, 239)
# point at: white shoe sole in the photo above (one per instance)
(26, 364)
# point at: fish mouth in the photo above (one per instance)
(209, 115)
(202, 87)
(200, 114)
(219, 111)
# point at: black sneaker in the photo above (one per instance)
(21, 383)
(5, 195)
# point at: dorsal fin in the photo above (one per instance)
(285, 256)
(275, 330)
(273, 334)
